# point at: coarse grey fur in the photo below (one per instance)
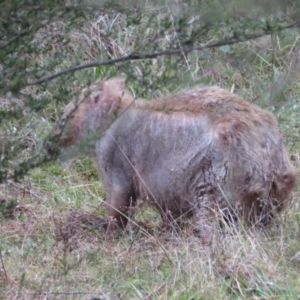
(198, 152)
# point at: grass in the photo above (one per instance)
(52, 242)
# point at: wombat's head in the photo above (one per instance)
(91, 113)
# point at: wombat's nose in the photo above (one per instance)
(51, 147)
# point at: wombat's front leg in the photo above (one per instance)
(119, 201)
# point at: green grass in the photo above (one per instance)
(52, 241)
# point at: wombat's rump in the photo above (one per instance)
(199, 149)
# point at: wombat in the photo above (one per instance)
(201, 149)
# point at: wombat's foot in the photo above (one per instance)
(172, 223)
(113, 226)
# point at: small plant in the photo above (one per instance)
(7, 208)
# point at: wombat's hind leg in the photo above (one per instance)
(119, 204)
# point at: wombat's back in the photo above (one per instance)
(200, 148)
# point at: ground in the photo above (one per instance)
(53, 244)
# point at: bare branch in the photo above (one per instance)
(183, 49)
(25, 190)
(59, 293)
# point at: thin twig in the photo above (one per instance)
(15, 185)
(58, 293)
(181, 50)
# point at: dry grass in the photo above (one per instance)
(52, 241)
(52, 251)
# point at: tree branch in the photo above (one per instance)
(181, 50)
(25, 190)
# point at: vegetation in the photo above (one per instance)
(52, 243)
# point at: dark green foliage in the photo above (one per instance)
(21, 43)
(7, 207)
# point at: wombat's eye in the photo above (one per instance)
(61, 125)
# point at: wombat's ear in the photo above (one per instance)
(111, 90)
(119, 83)
(113, 85)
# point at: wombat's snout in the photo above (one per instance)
(51, 145)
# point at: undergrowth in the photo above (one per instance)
(52, 239)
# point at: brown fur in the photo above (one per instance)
(199, 150)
